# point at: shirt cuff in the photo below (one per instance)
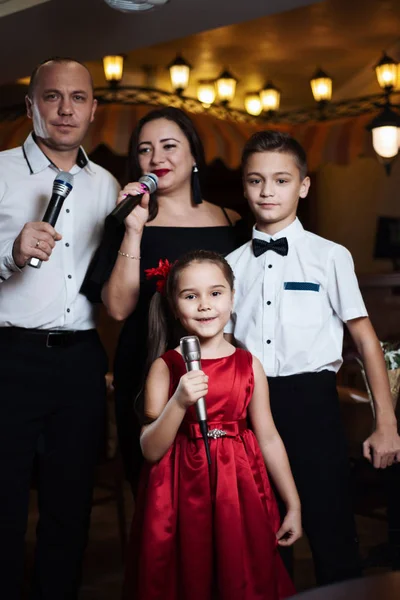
(354, 313)
(7, 264)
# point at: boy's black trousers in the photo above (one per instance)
(306, 412)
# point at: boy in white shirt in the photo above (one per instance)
(294, 291)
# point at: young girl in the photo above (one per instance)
(209, 532)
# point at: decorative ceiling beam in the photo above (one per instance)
(329, 111)
(153, 97)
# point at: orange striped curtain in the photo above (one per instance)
(340, 141)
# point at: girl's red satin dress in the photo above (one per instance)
(200, 535)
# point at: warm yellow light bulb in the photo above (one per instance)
(113, 67)
(252, 103)
(206, 92)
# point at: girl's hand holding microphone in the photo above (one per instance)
(192, 386)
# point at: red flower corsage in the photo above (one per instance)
(162, 272)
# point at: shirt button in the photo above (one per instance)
(68, 310)
(269, 302)
(67, 210)
(69, 276)
(268, 341)
(269, 266)
(67, 245)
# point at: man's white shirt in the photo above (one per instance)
(49, 298)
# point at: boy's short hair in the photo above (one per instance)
(270, 140)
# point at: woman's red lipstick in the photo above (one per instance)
(160, 172)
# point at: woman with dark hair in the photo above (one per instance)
(170, 223)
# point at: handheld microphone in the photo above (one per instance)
(190, 348)
(124, 208)
(62, 186)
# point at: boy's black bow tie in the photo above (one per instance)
(279, 246)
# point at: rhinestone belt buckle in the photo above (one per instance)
(216, 433)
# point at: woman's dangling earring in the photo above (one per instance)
(196, 191)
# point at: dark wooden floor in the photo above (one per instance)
(103, 565)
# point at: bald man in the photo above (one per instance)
(52, 364)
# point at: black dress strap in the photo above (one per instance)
(227, 216)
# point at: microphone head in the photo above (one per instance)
(63, 184)
(190, 348)
(150, 180)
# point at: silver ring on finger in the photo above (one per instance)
(37, 245)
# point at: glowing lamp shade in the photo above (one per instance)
(179, 71)
(206, 92)
(387, 72)
(226, 87)
(24, 80)
(252, 103)
(270, 97)
(321, 86)
(113, 68)
(385, 141)
(385, 132)
(135, 5)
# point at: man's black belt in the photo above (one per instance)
(47, 337)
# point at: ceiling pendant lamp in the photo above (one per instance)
(135, 5)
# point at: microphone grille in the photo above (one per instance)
(150, 180)
(63, 183)
(65, 178)
(190, 347)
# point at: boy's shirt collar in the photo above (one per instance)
(291, 232)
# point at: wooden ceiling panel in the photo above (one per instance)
(344, 37)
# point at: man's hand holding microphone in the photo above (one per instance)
(36, 240)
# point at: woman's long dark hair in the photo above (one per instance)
(165, 329)
(188, 129)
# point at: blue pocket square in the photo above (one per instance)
(301, 286)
